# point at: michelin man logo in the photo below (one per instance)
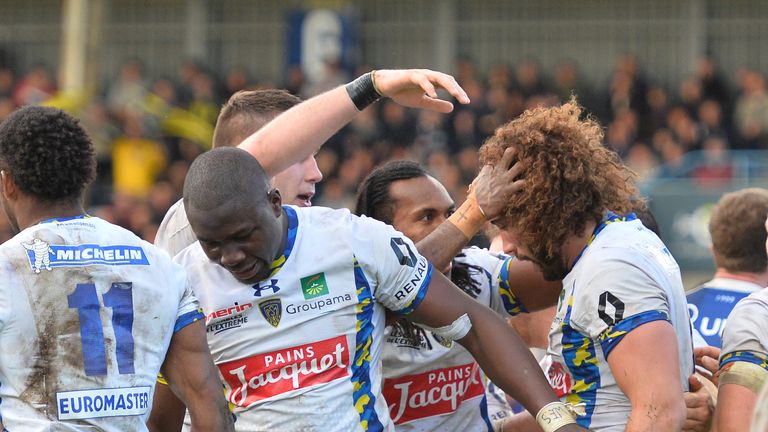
(42, 252)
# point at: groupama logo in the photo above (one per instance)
(314, 286)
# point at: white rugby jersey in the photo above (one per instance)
(175, 233)
(87, 311)
(433, 384)
(746, 334)
(625, 278)
(301, 350)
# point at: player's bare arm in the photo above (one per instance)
(168, 410)
(735, 405)
(282, 143)
(657, 402)
(489, 339)
(191, 374)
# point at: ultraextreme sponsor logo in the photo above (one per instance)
(227, 318)
(263, 376)
(317, 305)
(85, 404)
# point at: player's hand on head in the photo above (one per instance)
(495, 184)
(417, 88)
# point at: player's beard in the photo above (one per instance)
(552, 267)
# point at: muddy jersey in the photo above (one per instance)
(625, 278)
(175, 233)
(87, 311)
(710, 304)
(746, 334)
(301, 350)
(433, 384)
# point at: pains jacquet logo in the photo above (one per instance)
(314, 286)
(272, 311)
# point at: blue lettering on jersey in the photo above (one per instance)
(258, 288)
(43, 255)
(95, 403)
(709, 309)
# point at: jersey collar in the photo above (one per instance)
(609, 218)
(293, 225)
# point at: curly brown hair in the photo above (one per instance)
(737, 226)
(571, 178)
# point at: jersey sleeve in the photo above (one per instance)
(175, 233)
(509, 302)
(618, 298)
(495, 267)
(189, 309)
(400, 274)
(745, 337)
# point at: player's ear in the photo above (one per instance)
(9, 188)
(275, 201)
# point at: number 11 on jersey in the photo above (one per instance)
(120, 299)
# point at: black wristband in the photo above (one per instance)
(362, 91)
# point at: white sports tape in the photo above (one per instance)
(455, 330)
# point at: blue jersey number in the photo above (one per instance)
(120, 299)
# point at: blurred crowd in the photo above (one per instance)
(147, 130)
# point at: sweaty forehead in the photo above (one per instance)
(419, 193)
(225, 220)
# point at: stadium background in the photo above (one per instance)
(678, 85)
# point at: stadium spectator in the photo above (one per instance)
(751, 114)
(35, 87)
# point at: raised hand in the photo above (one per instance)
(417, 88)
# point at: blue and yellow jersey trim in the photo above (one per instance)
(611, 336)
(581, 360)
(188, 318)
(161, 379)
(608, 219)
(419, 297)
(745, 356)
(511, 304)
(362, 395)
(293, 226)
(65, 219)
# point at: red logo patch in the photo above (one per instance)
(559, 379)
(432, 393)
(263, 376)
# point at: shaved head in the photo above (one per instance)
(236, 217)
(222, 176)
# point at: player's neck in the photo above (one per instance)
(284, 227)
(31, 211)
(760, 279)
(575, 244)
